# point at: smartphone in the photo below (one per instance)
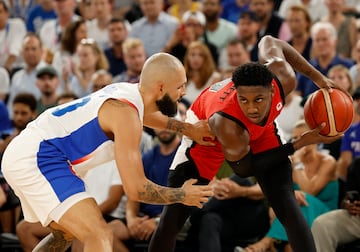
(353, 196)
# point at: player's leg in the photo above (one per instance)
(174, 216)
(277, 185)
(171, 222)
(85, 222)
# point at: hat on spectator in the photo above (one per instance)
(48, 69)
(198, 15)
(250, 15)
(356, 94)
(4, 81)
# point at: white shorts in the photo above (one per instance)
(41, 177)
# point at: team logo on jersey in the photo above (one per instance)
(219, 85)
(279, 106)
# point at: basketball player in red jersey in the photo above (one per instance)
(241, 112)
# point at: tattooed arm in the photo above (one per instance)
(199, 132)
(122, 123)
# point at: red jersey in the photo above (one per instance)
(221, 98)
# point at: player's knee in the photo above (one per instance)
(100, 233)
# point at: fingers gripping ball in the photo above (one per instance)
(334, 108)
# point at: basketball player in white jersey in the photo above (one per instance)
(45, 163)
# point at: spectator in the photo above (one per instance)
(292, 112)
(52, 30)
(299, 22)
(5, 124)
(134, 12)
(350, 142)
(24, 80)
(248, 32)
(236, 216)
(100, 79)
(134, 57)
(12, 31)
(98, 27)
(155, 28)
(316, 8)
(233, 9)
(340, 75)
(91, 59)
(39, 14)
(85, 9)
(236, 55)
(47, 82)
(218, 31)
(270, 22)
(141, 218)
(345, 27)
(65, 58)
(114, 54)
(343, 225)
(324, 39)
(179, 7)
(4, 84)
(200, 70)
(355, 69)
(192, 29)
(20, 9)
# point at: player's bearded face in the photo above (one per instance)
(167, 106)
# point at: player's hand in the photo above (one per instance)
(202, 134)
(314, 137)
(195, 195)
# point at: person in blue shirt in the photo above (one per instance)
(324, 39)
(38, 15)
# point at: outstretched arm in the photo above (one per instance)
(282, 58)
(122, 122)
(199, 132)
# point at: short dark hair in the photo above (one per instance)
(27, 99)
(68, 95)
(252, 74)
(117, 20)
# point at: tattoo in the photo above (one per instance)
(156, 194)
(54, 242)
(176, 125)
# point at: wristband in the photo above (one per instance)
(299, 166)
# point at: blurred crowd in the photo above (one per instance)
(54, 51)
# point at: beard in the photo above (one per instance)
(167, 139)
(167, 106)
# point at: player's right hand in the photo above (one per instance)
(195, 195)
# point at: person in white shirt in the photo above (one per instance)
(98, 27)
(12, 31)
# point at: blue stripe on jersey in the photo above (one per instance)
(81, 142)
(54, 166)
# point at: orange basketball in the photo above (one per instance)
(334, 108)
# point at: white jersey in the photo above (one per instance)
(74, 128)
(45, 163)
